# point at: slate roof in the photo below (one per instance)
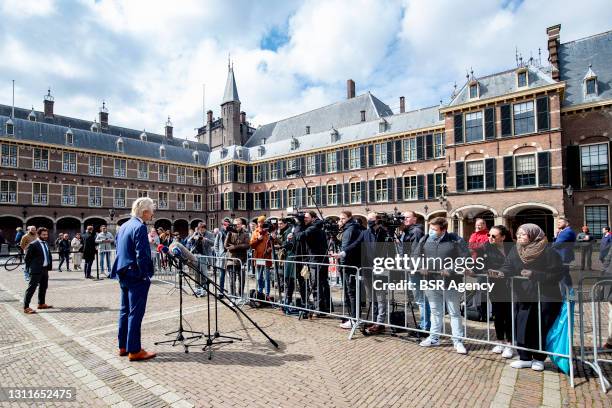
(574, 60)
(337, 115)
(231, 91)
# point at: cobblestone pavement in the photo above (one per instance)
(74, 345)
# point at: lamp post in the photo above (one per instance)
(569, 191)
(111, 215)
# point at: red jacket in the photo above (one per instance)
(477, 240)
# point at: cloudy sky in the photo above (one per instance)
(149, 59)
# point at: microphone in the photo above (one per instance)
(293, 172)
(178, 250)
(160, 248)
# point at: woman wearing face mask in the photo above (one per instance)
(533, 259)
(493, 254)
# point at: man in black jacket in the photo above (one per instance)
(63, 247)
(315, 240)
(38, 261)
(349, 255)
(89, 250)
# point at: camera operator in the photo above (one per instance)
(349, 255)
(262, 251)
(410, 237)
(236, 243)
(299, 253)
(315, 240)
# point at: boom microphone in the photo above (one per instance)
(181, 252)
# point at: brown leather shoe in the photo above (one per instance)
(44, 306)
(141, 356)
(122, 352)
(375, 329)
(29, 310)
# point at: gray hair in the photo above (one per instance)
(141, 205)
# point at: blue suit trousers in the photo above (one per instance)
(133, 304)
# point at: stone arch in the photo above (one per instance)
(181, 226)
(40, 221)
(68, 224)
(95, 221)
(9, 224)
(536, 213)
(164, 223)
(194, 223)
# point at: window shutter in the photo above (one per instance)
(302, 164)
(371, 195)
(317, 164)
(399, 195)
(572, 166)
(284, 203)
(420, 149)
(234, 200)
(543, 114)
(490, 174)
(282, 167)
(346, 195)
(509, 172)
(345, 159)
(222, 203)
(421, 187)
(489, 119)
(506, 120)
(323, 202)
(249, 201)
(323, 163)
(390, 189)
(234, 173)
(428, 147)
(318, 195)
(265, 200)
(370, 155)
(398, 151)
(362, 190)
(389, 152)
(249, 174)
(460, 176)
(430, 186)
(303, 197)
(222, 173)
(544, 168)
(362, 157)
(458, 128)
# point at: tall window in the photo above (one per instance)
(197, 202)
(380, 154)
(8, 192)
(9, 155)
(241, 201)
(164, 173)
(409, 150)
(95, 165)
(410, 188)
(212, 199)
(181, 201)
(475, 175)
(354, 158)
(332, 194)
(311, 196)
(473, 91)
(119, 198)
(197, 177)
(524, 121)
(41, 159)
(241, 174)
(143, 170)
(273, 170)
(292, 165)
(69, 196)
(257, 201)
(439, 148)
(40, 194)
(591, 89)
(181, 175)
(473, 126)
(95, 196)
(120, 168)
(256, 173)
(226, 174)
(355, 192)
(274, 199)
(594, 165)
(331, 163)
(227, 201)
(596, 217)
(291, 198)
(162, 202)
(525, 170)
(381, 192)
(440, 184)
(311, 166)
(521, 78)
(69, 162)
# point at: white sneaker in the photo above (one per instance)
(347, 325)
(508, 352)
(429, 342)
(460, 348)
(497, 349)
(537, 365)
(520, 364)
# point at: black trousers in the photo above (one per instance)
(349, 284)
(320, 287)
(290, 288)
(40, 281)
(502, 312)
(64, 257)
(527, 327)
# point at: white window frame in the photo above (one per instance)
(119, 201)
(163, 200)
(94, 169)
(535, 117)
(466, 119)
(381, 190)
(226, 174)
(181, 175)
(120, 168)
(8, 195)
(10, 160)
(439, 145)
(212, 199)
(256, 174)
(41, 163)
(273, 170)
(332, 191)
(197, 177)
(69, 200)
(311, 196)
(354, 158)
(95, 200)
(409, 150)
(163, 175)
(380, 154)
(311, 165)
(411, 190)
(67, 165)
(241, 173)
(274, 198)
(241, 200)
(608, 158)
(197, 202)
(257, 201)
(537, 175)
(467, 163)
(331, 164)
(181, 201)
(291, 197)
(355, 192)
(438, 186)
(227, 202)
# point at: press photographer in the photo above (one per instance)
(262, 252)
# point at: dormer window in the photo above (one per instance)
(143, 136)
(363, 116)
(10, 128)
(590, 83)
(474, 90)
(307, 130)
(69, 137)
(120, 148)
(240, 152)
(382, 125)
(522, 79)
(185, 144)
(334, 134)
(32, 115)
(94, 127)
(262, 150)
(162, 152)
(223, 152)
(196, 157)
(294, 143)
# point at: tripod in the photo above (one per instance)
(210, 338)
(180, 337)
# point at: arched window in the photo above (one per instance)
(185, 144)
(69, 137)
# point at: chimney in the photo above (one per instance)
(48, 102)
(209, 117)
(402, 104)
(168, 129)
(243, 117)
(554, 34)
(103, 116)
(350, 89)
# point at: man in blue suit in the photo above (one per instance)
(564, 243)
(134, 268)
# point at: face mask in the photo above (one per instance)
(371, 224)
(433, 234)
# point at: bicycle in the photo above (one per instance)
(13, 262)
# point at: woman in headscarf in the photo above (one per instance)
(535, 262)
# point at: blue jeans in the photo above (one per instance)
(421, 300)
(104, 254)
(260, 279)
(133, 305)
(452, 298)
(26, 273)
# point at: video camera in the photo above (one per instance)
(391, 221)
(270, 225)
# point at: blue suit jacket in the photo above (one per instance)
(133, 261)
(564, 244)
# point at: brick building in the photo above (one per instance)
(528, 144)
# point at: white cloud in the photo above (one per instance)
(23, 9)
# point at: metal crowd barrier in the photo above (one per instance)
(600, 292)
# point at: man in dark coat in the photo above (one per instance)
(39, 262)
(89, 250)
